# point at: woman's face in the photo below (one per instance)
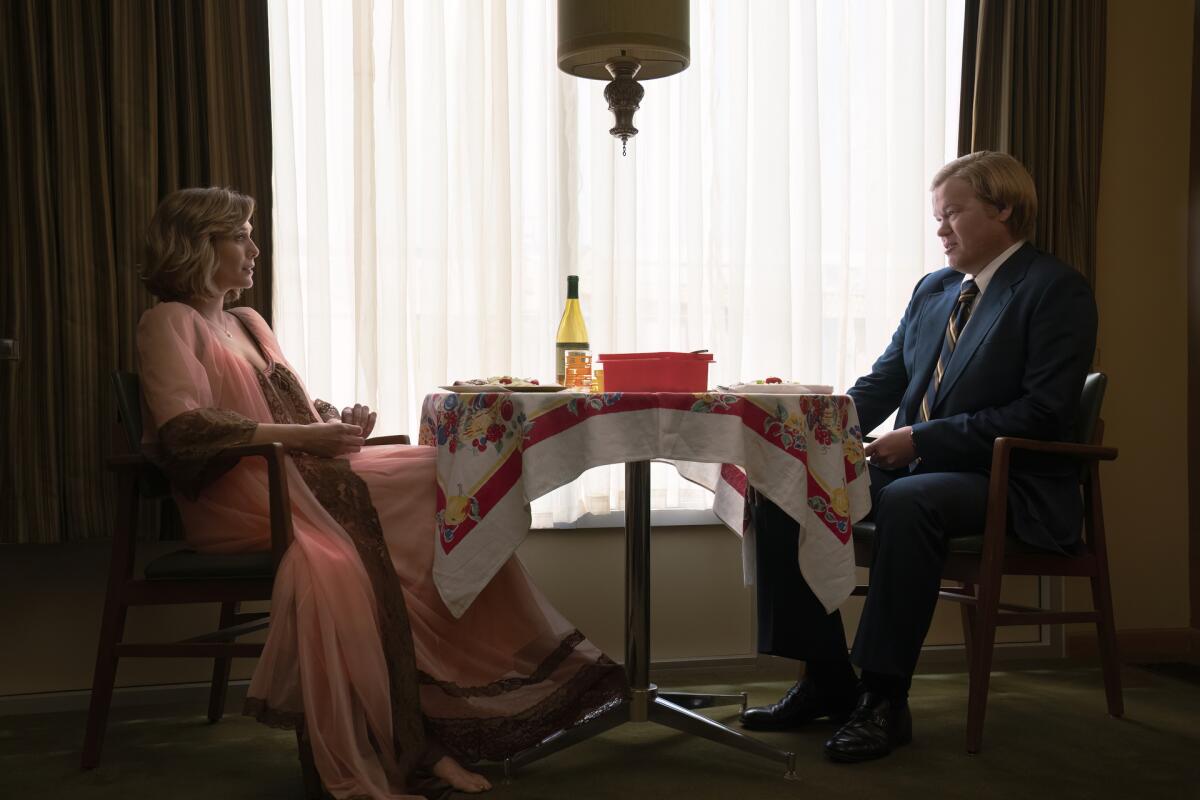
(235, 260)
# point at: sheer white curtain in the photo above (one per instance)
(437, 178)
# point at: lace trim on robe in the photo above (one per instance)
(591, 691)
(348, 500)
(192, 444)
(543, 671)
(326, 411)
(275, 718)
(285, 396)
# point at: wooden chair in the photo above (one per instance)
(183, 576)
(979, 562)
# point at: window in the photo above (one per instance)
(437, 178)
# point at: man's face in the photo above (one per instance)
(972, 232)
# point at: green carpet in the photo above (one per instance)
(1047, 735)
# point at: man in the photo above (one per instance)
(997, 344)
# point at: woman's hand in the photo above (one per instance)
(360, 415)
(330, 438)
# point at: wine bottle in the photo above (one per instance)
(572, 332)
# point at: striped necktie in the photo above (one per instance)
(958, 321)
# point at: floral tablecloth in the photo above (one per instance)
(498, 451)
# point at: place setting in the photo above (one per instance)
(502, 383)
(774, 385)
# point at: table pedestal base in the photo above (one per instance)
(672, 709)
(646, 703)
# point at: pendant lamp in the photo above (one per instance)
(623, 41)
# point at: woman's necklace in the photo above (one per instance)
(223, 328)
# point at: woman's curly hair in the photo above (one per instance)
(180, 255)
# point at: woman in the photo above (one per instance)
(361, 653)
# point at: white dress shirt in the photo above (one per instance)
(984, 276)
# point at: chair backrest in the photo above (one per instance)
(1090, 401)
(127, 393)
(1086, 423)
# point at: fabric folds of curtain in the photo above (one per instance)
(1033, 86)
(106, 107)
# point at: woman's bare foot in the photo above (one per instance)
(459, 776)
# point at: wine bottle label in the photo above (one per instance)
(560, 362)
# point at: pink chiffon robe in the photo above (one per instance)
(361, 651)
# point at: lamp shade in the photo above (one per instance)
(593, 33)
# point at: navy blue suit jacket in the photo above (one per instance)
(1017, 370)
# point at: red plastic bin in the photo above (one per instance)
(655, 372)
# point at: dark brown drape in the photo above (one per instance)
(1033, 86)
(107, 106)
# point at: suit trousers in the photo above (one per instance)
(914, 514)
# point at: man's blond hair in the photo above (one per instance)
(999, 180)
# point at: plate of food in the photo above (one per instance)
(501, 383)
(776, 386)
(545, 387)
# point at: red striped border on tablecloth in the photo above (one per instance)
(576, 411)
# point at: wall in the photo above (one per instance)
(1141, 291)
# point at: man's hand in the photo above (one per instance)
(360, 415)
(893, 450)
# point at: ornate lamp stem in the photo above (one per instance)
(624, 94)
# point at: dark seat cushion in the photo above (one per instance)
(190, 565)
(864, 533)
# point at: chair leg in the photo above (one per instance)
(1110, 663)
(983, 638)
(103, 677)
(220, 674)
(308, 768)
(967, 611)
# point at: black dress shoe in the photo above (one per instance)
(875, 727)
(802, 703)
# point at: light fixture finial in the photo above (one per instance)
(624, 95)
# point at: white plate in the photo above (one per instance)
(484, 388)
(541, 388)
(777, 388)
